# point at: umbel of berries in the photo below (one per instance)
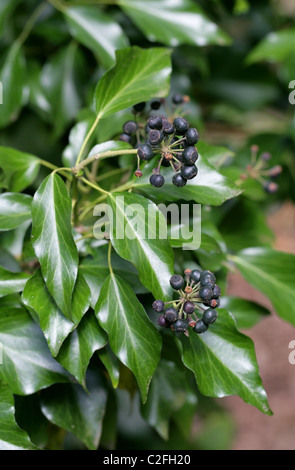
(195, 308)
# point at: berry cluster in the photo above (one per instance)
(171, 138)
(260, 171)
(197, 288)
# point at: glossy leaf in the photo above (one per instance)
(53, 240)
(132, 336)
(76, 138)
(12, 437)
(109, 145)
(96, 30)
(20, 168)
(13, 83)
(27, 363)
(78, 348)
(246, 312)
(135, 237)
(274, 47)
(215, 154)
(11, 282)
(14, 210)
(79, 412)
(111, 363)
(139, 75)
(273, 273)
(208, 187)
(224, 362)
(174, 22)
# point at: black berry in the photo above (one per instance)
(130, 127)
(157, 180)
(189, 307)
(177, 99)
(209, 316)
(145, 152)
(139, 107)
(180, 326)
(171, 315)
(208, 273)
(206, 293)
(155, 122)
(190, 155)
(125, 138)
(179, 180)
(155, 136)
(207, 281)
(177, 281)
(200, 327)
(181, 125)
(213, 303)
(156, 104)
(162, 321)
(216, 292)
(167, 127)
(158, 306)
(192, 136)
(195, 275)
(189, 172)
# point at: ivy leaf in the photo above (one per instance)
(135, 237)
(27, 363)
(76, 138)
(174, 22)
(208, 187)
(139, 75)
(53, 240)
(13, 85)
(224, 362)
(111, 363)
(132, 336)
(14, 210)
(12, 437)
(97, 31)
(20, 168)
(78, 348)
(273, 273)
(274, 47)
(246, 312)
(11, 282)
(81, 413)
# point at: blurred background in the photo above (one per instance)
(239, 81)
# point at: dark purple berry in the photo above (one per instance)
(155, 137)
(180, 326)
(155, 122)
(156, 104)
(158, 306)
(177, 99)
(195, 275)
(171, 315)
(181, 125)
(208, 273)
(189, 171)
(192, 136)
(200, 327)
(209, 316)
(176, 281)
(189, 307)
(125, 138)
(206, 293)
(167, 127)
(157, 180)
(130, 127)
(162, 321)
(190, 155)
(179, 180)
(207, 281)
(139, 107)
(145, 152)
(216, 292)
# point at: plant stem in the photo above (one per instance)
(62, 171)
(109, 258)
(85, 142)
(30, 23)
(107, 154)
(94, 186)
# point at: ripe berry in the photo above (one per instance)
(270, 187)
(180, 326)
(190, 155)
(192, 136)
(189, 172)
(181, 125)
(195, 275)
(145, 152)
(179, 180)
(139, 107)
(167, 127)
(155, 136)
(206, 293)
(156, 104)
(177, 99)
(130, 127)
(158, 306)
(216, 292)
(177, 281)
(162, 321)
(157, 180)
(207, 281)
(189, 307)
(171, 315)
(208, 273)
(155, 122)
(213, 303)
(125, 138)
(209, 316)
(200, 327)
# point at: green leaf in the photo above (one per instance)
(6, 9)
(273, 273)
(14, 210)
(132, 336)
(274, 47)
(174, 22)
(77, 411)
(12, 241)
(80, 345)
(55, 326)
(76, 138)
(111, 363)
(246, 312)
(27, 363)
(224, 362)
(97, 31)
(21, 169)
(13, 85)
(95, 270)
(208, 187)
(216, 155)
(12, 437)
(109, 145)
(210, 253)
(53, 240)
(11, 282)
(135, 237)
(139, 75)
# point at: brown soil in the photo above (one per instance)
(271, 338)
